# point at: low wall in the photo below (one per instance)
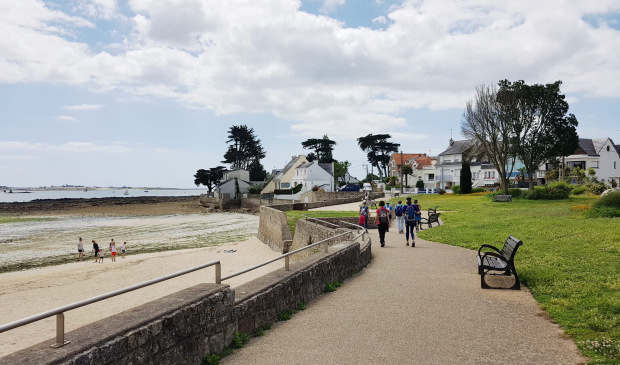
(309, 231)
(181, 328)
(273, 229)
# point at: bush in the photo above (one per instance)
(578, 190)
(255, 189)
(456, 189)
(610, 200)
(441, 192)
(548, 192)
(515, 192)
(560, 186)
(603, 212)
(478, 190)
(419, 184)
(596, 187)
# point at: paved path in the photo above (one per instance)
(419, 305)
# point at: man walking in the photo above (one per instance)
(382, 219)
(410, 210)
(400, 218)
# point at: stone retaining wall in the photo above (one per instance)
(308, 231)
(181, 328)
(273, 229)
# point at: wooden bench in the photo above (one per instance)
(432, 218)
(502, 198)
(501, 261)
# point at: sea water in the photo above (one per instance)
(30, 195)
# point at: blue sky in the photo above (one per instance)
(142, 92)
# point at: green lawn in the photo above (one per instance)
(570, 263)
(13, 219)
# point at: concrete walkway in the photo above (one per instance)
(419, 305)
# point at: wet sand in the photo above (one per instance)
(176, 223)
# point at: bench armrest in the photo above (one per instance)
(488, 246)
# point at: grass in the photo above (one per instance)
(292, 216)
(570, 262)
(332, 287)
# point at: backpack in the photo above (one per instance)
(399, 210)
(411, 209)
(383, 215)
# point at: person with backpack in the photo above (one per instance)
(364, 212)
(382, 219)
(400, 218)
(418, 216)
(410, 211)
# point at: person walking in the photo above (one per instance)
(364, 211)
(124, 249)
(410, 222)
(80, 247)
(418, 216)
(382, 219)
(96, 250)
(400, 218)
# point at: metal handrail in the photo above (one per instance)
(323, 221)
(284, 256)
(59, 312)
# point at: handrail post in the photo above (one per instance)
(218, 273)
(60, 331)
(286, 263)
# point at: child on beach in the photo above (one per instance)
(80, 248)
(101, 253)
(113, 251)
(124, 248)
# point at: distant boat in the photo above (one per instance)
(86, 189)
(126, 192)
(146, 191)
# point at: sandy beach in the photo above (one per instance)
(29, 292)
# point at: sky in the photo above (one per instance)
(143, 92)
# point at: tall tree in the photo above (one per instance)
(486, 121)
(323, 148)
(542, 129)
(378, 150)
(244, 147)
(257, 171)
(465, 179)
(209, 178)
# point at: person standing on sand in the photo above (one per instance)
(101, 254)
(111, 243)
(80, 249)
(113, 251)
(96, 249)
(124, 248)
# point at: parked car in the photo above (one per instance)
(350, 187)
(367, 187)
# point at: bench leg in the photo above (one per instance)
(483, 283)
(517, 284)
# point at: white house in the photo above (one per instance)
(601, 154)
(283, 180)
(311, 174)
(227, 185)
(448, 167)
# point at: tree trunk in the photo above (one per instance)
(530, 180)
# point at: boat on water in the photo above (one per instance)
(126, 192)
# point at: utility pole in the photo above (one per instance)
(402, 163)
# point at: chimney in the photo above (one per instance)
(451, 141)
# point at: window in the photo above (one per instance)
(431, 177)
(607, 148)
(285, 185)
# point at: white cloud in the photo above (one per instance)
(331, 5)
(104, 9)
(66, 118)
(380, 20)
(269, 57)
(83, 107)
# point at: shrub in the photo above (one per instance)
(596, 187)
(419, 184)
(331, 287)
(610, 200)
(614, 184)
(515, 192)
(441, 192)
(603, 212)
(478, 190)
(560, 187)
(239, 340)
(547, 193)
(456, 189)
(578, 190)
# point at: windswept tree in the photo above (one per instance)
(323, 148)
(209, 178)
(244, 148)
(541, 127)
(378, 150)
(487, 122)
